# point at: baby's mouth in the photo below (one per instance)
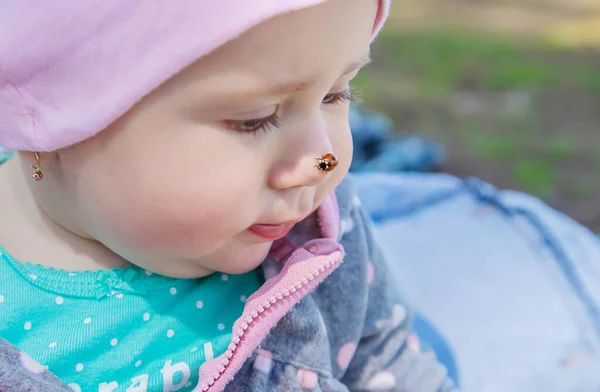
(272, 232)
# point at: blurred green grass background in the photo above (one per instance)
(516, 104)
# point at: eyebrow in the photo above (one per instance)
(294, 87)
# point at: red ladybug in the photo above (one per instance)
(326, 163)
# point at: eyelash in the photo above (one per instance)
(273, 121)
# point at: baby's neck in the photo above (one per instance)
(28, 234)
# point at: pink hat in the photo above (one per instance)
(68, 71)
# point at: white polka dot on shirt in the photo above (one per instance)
(113, 342)
(224, 277)
(146, 316)
(75, 387)
(59, 300)
(87, 320)
(170, 333)
(32, 277)
(1, 298)
(27, 326)
(199, 304)
(243, 298)
(138, 363)
(173, 290)
(79, 367)
(221, 327)
(52, 345)
(119, 295)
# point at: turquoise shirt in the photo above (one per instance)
(119, 330)
(5, 156)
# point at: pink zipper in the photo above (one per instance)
(266, 305)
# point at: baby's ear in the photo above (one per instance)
(30, 157)
(36, 159)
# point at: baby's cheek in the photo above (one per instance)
(188, 224)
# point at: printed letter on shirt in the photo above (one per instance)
(169, 371)
(139, 384)
(108, 387)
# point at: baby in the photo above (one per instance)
(177, 217)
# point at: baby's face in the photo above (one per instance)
(175, 185)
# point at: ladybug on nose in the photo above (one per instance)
(327, 162)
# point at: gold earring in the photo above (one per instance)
(37, 170)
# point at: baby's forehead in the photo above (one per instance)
(289, 53)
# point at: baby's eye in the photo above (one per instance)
(343, 96)
(255, 125)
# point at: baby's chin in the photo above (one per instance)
(230, 261)
(247, 260)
